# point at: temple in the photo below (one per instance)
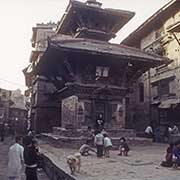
(81, 77)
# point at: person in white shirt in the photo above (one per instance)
(15, 160)
(173, 129)
(98, 142)
(107, 145)
(149, 131)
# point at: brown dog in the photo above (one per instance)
(74, 162)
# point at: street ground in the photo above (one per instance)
(4, 161)
(143, 163)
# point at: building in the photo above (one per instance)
(157, 95)
(39, 41)
(81, 77)
(18, 111)
(5, 102)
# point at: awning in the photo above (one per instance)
(168, 102)
(174, 27)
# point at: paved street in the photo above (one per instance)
(4, 160)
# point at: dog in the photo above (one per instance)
(74, 162)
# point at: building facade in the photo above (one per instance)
(39, 85)
(18, 112)
(5, 102)
(81, 77)
(157, 97)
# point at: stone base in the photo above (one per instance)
(174, 138)
(53, 171)
(83, 132)
(76, 142)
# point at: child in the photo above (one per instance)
(98, 142)
(169, 154)
(123, 147)
(107, 145)
(85, 148)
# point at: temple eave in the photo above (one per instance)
(90, 90)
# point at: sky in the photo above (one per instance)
(17, 17)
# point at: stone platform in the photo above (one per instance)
(76, 142)
(143, 163)
(74, 138)
(174, 138)
(83, 132)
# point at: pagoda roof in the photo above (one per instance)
(62, 48)
(89, 46)
(77, 14)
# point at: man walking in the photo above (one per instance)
(15, 160)
(31, 160)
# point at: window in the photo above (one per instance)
(163, 116)
(4, 94)
(163, 87)
(159, 32)
(141, 92)
(102, 71)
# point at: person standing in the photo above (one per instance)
(31, 159)
(2, 131)
(98, 142)
(15, 160)
(107, 145)
(99, 123)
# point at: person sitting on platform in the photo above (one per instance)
(169, 157)
(85, 148)
(173, 129)
(149, 132)
(123, 147)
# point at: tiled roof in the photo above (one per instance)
(105, 48)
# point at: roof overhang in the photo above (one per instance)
(166, 104)
(128, 60)
(94, 47)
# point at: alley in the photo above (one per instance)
(4, 160)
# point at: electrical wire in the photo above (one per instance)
(10, 82)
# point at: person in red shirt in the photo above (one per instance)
(168, 157)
